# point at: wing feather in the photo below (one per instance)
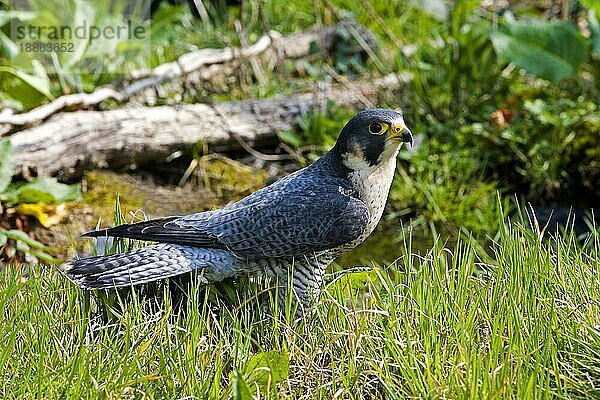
(160, 230)
(298, 215)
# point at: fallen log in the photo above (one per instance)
(70, 142)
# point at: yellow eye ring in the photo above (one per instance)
(378, 128)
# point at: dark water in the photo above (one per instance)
(390, 241)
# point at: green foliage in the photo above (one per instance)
(28, 89)
(239, 387)
(318, 129)
(263, 372)
(83, 63)
(43, 190)
(38, 190)
(269, 367)
(544, 150)
(552, 51)
(525, 135)
(174, 32)
(33, 247)
(592, 5)
(548, 151)
(30, 198)
(348, 57)
(9, 48)
(456, 75)
(446, 188)
(23, 243)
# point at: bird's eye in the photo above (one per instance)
(377, 129)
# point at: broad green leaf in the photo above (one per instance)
(3, 238)
(6, 163)
(552, 51)
(47, 190)
(271, 365)
(240, 388)
(9, 47)
(39, 83)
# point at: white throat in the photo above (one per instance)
(373, 182)
(356, 162)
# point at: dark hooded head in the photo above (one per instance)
(371, 137)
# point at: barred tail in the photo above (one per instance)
(139, 266)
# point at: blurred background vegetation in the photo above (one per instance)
(503, 97)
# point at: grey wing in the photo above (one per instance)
(161, 230)
(299, 222)
(283, 221)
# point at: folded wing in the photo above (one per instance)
(290, 218)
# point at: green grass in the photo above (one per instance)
(521, 322)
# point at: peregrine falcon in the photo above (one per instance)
(293, 228)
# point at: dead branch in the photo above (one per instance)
(70, 142)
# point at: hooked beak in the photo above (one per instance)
(401, 134)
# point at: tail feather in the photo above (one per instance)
(144, 265)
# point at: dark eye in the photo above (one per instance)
(376, 128)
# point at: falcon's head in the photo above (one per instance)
(372, 137)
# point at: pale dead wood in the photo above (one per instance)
(70, 142)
